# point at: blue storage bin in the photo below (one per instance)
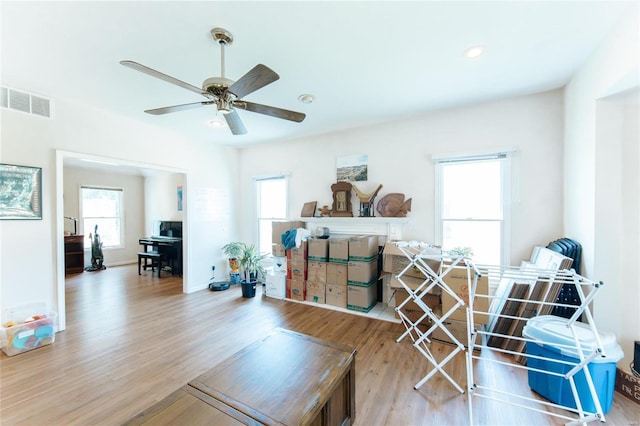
(555, 341)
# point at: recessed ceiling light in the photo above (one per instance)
(306, 98)
(216, 123)
(474, 52)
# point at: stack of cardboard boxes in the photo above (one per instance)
(457, 279)
(341, 272)
(336, 290)
(297, 272)
(317, 273)
(362, 273)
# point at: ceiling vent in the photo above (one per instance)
(25, 102)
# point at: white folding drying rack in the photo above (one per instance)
(418, 256)
(586, 290)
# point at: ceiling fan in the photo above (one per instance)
(222, 92)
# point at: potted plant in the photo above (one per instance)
(249, 263)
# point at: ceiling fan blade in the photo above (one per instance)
(157, 74)
(259, 76)
(234, 123)
(269, 110)
(176, 108)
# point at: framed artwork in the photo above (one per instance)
(180, 198)
(352, 168)
(308, 209)
(20, 192)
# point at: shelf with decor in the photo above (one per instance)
(387, 228)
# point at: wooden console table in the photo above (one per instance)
(287, 378)
(73, 254)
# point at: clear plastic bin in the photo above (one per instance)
(35, 326)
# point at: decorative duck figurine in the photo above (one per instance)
(394, 205)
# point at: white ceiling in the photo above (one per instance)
(365, 62)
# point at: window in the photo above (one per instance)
(472, 207)
(271, 205)
(102, 207)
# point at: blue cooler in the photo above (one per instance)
(557, 343)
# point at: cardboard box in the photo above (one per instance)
(277, 250)
(298, 253)
(275, 286)
(317, 272)
(362, 297)
(362, 272)
(339, 250)
(315, 292)
(395, 261)
(413, 283)
(280, 266)
(337, 274)
(459, 331)
(297, 290)
(336, 295)
(318, 249)
(279, 227)
(363, 248)
(298, 270)
(458, 280)
(412, 311)
(628, 385)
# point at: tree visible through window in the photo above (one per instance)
(271, 203)
(472, 207)
(102, 207)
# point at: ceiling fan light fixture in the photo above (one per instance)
(216, 123)
(306, 98)
(474, 52)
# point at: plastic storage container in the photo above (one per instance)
(34, 327)
(556, 342)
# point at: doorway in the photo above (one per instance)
(109, 166)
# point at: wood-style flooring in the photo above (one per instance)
(132, 340)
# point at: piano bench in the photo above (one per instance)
(156, 260)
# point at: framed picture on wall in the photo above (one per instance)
(20, 192)
(352, 168)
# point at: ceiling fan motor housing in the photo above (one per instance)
(217, 86)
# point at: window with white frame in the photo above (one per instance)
(473, 206)
(102, 207)
(271, 204)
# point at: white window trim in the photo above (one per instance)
(256, 180)
(81, 229)
(505, 246)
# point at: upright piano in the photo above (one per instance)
(171, 246)
(166, 238)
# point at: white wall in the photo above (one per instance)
(601, 153)
(31, 140)
(400, 159)
(161, 199)
(133, 200)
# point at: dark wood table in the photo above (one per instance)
(287, 378)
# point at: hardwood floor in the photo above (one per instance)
(132, 340)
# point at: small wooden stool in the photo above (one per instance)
(156, 260)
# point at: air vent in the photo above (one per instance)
(25, 102)
(40, 106)
(19, 101)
